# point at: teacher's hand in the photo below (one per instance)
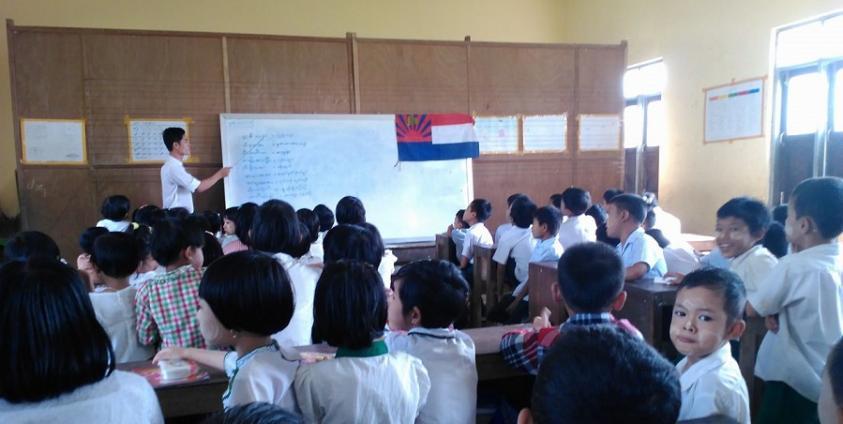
(224, 171)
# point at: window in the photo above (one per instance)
(644, 124)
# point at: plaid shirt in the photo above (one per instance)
(525, 348)
(166, 309)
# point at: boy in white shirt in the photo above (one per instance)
(741, 224)
(115, 212)
(642, 257)
(804, 291)
(545, 227)
(577, 227)
(476, 213)
(425, 300)
(517, 244)
(708, 313)
(503, 228)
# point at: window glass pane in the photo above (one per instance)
(838, 100)
(833, 37)
(631, 85)
(802, 44)
(806, 104)
(655, 124)
(652, 79)
(633, 126)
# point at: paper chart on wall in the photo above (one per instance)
(599, 132)
(53, 141)
(545, 133)
(146, 143)
(497, 134)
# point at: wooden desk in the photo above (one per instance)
(177, 400)
(700, 243)
(409, 252)
(542, 277)
(750, 342)
(484, 274)
(649, 307)
(445, 249)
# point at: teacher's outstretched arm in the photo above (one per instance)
(213, 179)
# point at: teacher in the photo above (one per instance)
(177, 185)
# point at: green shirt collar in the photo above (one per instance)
(377, 348)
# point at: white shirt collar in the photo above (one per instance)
(439, 333)
(703, 366)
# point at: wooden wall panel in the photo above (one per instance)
(48, 75)
(600, 79)
(289, 76)
(596, 174)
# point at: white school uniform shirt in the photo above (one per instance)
(713, 385)
(114, 226)
(680, 257)
(753, 266)
(303, 276)
(549, 250)
(501, 230)
(640, 247)
(458, 235)
(805, 290)
(121, 398)
(577, 229)
(115, 311)
(477, 235)
(387, 388)
(177, 185)
(517, 243)
(448, 355)
(670, 225)
(263, 375)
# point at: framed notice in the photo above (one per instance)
(53, 141)
(146, 143)
(497, 134)
(734, 111)
(599, 132)
(545, 133)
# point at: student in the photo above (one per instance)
(516, 244)
(115, 213)
(311, 223)
(243, 225)
(148, 267)
(229, 227)
(426, 299)
(546, 223)
(576, 226)
(326, 218)
(476, 213)
(830, 405)
(591, 282)
(600, 375)
(503, 228)
(741, 224)
(245, 298)
(352, 242)
(601, 229)
(650, 230)
(642, 257)
(707, 314)
(254, 413)
(679, 257)
(365, 382)
(387, 264)
(148, 215)
(775, 240)
(457, 232)
(166, 305)
(83, 261)
(350, 210)
(27, 244)
(211, 249)
(276, 231)
(668, 223)
(177, 185)
(115, 257)
(806, 293)
(56, 360)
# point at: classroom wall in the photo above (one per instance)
(484, 20)
(703, 43)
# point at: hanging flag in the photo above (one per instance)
(424, 137)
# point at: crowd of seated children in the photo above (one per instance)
(602, 236)
(599, 374)
(503, 228)
(476, 213)
(590, 279)
(56, 360)
(115, 213)
(707, 314)
(245, 298)
(83, 261)
(741, 226)
(426, 299)
(802, 300)
(516, 245)
(642, 257)
(577, 227)
(365, 382)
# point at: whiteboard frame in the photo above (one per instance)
(763, 80)
(128, 121)
(25, 161)
(579, 131)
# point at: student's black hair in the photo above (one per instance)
(724, 282)
(631, 203)
(649, 219)
(176, 213)
(172, 135)
(658, 236)
(550, 216)
(775, 240)
(200, 220)
(482, 209)
(352, 242)
(436, 287)
(311, 222)
(254, 413)
(522, 211)
(211, 250)
(590, 276)
(143, 238)
(89, 236)
(115, 207)
(326, 217)
(780, 213)
(576, 200)
(275, 228)
(515, 196)
(116, 254)
(650, 199)
(349, 305)
(26, 244)
(245, 218)
(610, 193)
(302, 247)
(171, 236)
(834, 368)
(556, 200)
(460, 214)
(377, 240)
(821, 199)
(601, 374)
(148, 215)
(52, 342)
(249, 291)
(231, 214)
(350, 210)
(597, 212)
(214, 221)
(752, 212)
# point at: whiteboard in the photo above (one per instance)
(311, 159)
(734, 111)
(53, 141)
(545, 133)
(599, 132)
(146, 143)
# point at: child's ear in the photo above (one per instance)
(619, 301)
(415, 317)
(736, 330)
(525, 416)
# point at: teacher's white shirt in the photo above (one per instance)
(177, 185)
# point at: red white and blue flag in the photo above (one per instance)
(436, 137)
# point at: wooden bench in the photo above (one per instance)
(485, 272)
(409, 252)
(540, 282)
(445, 248)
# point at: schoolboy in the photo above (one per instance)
(503, 228)
(476, 213)
(642, 257)
(806, 293)
(115, 213)
(545, 227)
(577, 227)
(707, 314)
(426, 299)
(517, 244)
(601, 228)
(590, 281)
(177, 185)
(741, 224)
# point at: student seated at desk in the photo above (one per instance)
(601, 228)
(229, 227)
(670, 225)
(517, 244)
(350, 210)
(83, 261)
(679, 256)
(741, 224)
(115, 213)
(476, 213)
(326, 220)
(425, 300)
(577, 227)
(591, 283)
(503, 228)
(642, 257)
(243, 225)
(56, 360)
(309, 225)
(457, 231)
(245, 298)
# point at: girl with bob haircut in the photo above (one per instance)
(56, 360)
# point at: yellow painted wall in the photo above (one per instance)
(703, 43)
(483, 20)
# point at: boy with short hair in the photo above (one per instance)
(517, 244)
(476, 213)
(707, 314)
(577, 227)
(806, 293)
(741, 224)
(642, 257)
(591, 282)
(426, 298)
(503, 228)
(545, 228)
